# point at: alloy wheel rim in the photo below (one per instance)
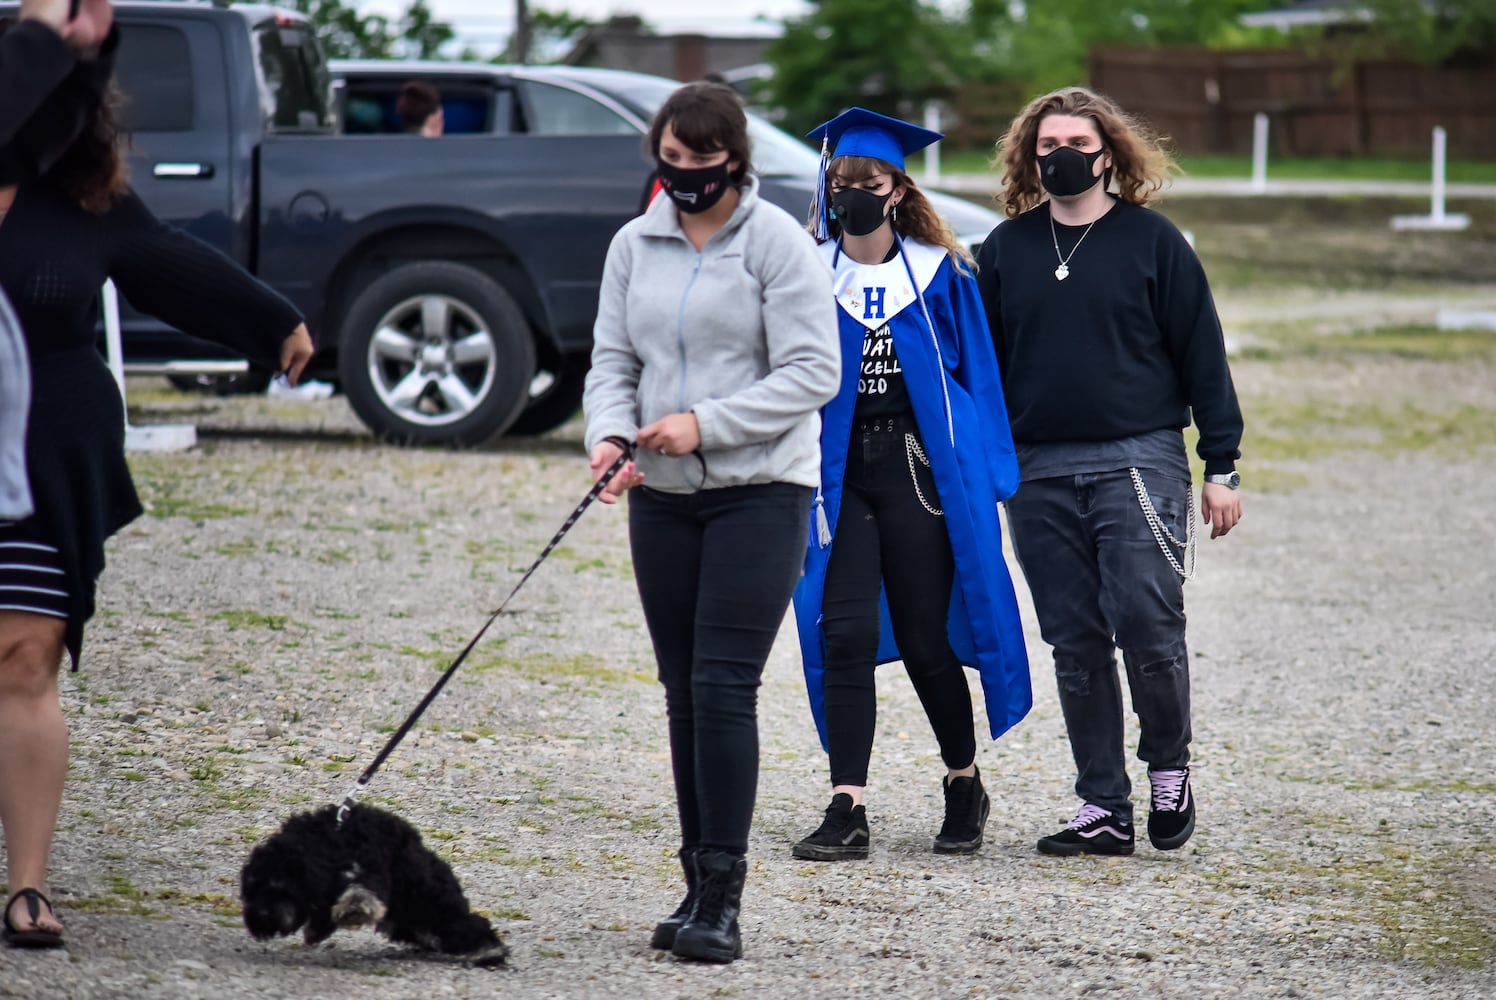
(432, 360)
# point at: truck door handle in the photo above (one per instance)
(180, 170)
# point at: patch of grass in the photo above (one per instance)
(549, 669)
(1278, 431)
(1427, 905)
(252, 619)
(242, 548)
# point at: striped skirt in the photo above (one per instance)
(31, 576)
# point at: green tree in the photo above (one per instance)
(552, 34)
(885, 55)
(892, 55)
(347, 34)
(1046, 43)
(421, 35)
(1429, 31)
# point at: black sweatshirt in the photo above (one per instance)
(1129, 342)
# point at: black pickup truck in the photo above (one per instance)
(450, 283)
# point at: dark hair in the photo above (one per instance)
(92, 171)
(417, 102)
(706, 117)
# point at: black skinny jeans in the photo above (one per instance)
(884, 535)
(715, 571)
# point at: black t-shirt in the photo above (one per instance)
(1127, 343)
(881, 389)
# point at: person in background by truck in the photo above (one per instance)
(420, 109)
(63, 236)
(47, 62)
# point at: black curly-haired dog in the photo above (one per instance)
(315, 875)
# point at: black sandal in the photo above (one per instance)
(36, 937)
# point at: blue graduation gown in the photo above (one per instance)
(964, 423)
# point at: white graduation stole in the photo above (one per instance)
(873, 294)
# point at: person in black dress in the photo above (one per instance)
(61, 237)
(48, 65)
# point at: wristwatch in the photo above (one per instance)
(1231, 480)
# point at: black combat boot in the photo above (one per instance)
(665, 930)
(711, 931)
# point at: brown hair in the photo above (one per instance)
(92, 171)
(705, 117)
(417, 102)
(1141, 163)
(916, 217)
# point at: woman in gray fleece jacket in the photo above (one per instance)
(715, 347)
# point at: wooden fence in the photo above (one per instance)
(1205, 101)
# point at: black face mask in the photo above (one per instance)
(694, 190)
(859, 212)
(1067, 171)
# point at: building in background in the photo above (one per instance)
(685, 52)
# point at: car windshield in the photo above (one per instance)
(775, 153)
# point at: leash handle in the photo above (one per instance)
(441, 682)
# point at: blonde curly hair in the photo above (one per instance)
(1141, 161)
(917, 218)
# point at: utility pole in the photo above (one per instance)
(520, 43)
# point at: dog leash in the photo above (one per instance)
(441, 682)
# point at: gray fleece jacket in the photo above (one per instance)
(742, 333)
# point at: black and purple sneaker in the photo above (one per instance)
(1171, 819)
(1094, 830)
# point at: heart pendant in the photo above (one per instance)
(1062, 272)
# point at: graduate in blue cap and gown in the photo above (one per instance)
(905, 555)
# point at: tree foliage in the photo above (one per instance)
(1429, 31)
(892, 55)
(347, 34)
(884, 55)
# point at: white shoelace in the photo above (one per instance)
(1088, 814)
(1168, 786)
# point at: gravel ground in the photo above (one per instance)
(295, 588)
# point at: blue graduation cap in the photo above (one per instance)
(860, 132)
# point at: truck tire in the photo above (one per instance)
(436, 353)
(557, 402)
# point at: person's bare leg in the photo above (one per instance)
(33, 752)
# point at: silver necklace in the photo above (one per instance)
(1063, 271)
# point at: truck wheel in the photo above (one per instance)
(436, 353)
(555, 396)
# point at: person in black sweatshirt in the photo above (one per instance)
(62, 235)
(1109, 344)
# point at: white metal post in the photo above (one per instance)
(932, 151)
(1441, 138)
(163, 437)
(1437, 218)
(112, 349)
(1259, 151)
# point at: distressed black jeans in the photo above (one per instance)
(1100, 582)
(715, 571)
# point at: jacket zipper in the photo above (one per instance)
(680, 332)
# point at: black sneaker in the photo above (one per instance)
(843, 833)
(1171, 819)
(966, 808)
(1094, 830)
